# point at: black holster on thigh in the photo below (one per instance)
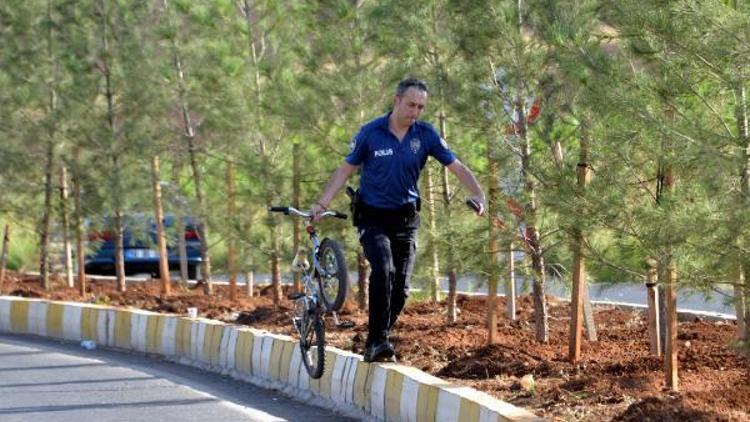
(355, 205)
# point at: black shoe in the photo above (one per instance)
(380, 352)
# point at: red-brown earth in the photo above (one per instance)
(617, 379)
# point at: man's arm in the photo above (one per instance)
(466, 177)
(338, 179)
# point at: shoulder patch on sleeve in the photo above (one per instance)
(443, 142)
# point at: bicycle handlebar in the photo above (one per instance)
(306, 214)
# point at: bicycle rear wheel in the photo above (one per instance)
(312, 346)
(334, 282)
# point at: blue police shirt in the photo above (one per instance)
(390, 169)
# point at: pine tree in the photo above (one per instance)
(507, 60)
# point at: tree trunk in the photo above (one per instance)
(557, 154)
(452, 315)
(46, 217)
(114, 155)
(276, 288)
(452, 304)
(78, 223)
(432, 236)
(363, 270)
(189, 136)
(662, 270)
(670, 349)
(739, 303)
(746, 286)
(534, 247)
(670, 292)
(661, 296)
(4, 255)
(274, 236)
(44, 230)
(297, 233)
(576, 301)
(203, 215)
(450, 256)
(452, 299)
(579, 262)
(588, 316)
(275, 269)
(180, 226)
(119, 248)
(161, 237)
(231, 243)
(67, 253)
(510, 286)
(252, 33)
(742, 296)
(249, 283)
(654, 326)
(541, 316)
(532, 237)
(493, 248)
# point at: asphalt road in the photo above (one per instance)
(42, 380)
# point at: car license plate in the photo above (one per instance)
(141, 253)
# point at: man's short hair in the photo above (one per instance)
(411, 83)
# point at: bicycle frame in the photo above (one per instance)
(311, 288)
(308, 273)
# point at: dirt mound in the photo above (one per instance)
(264, 314)
(25, 293)
(654, 409)
(495, 360)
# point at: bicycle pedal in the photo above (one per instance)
(295, 296)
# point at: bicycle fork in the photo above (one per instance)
(303, 311)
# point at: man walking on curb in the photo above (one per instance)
(392, 151)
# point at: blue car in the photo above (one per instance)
(140, 248)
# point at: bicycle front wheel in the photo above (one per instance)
(334, 282)
(312, 346)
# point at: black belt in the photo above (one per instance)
(407, 210)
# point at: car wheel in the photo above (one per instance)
(192, 272)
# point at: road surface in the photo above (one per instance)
(43, 380)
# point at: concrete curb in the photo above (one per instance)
(376, 391)
(682, 314)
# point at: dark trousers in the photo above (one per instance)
(389, 242)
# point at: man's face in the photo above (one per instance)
(409, 106)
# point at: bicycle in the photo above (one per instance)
(325, 288)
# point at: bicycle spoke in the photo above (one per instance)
(333, 280)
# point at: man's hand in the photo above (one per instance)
(466, 177)
(477, 203)
(316, 209)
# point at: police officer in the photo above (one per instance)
(391, 151)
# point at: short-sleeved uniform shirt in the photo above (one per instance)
(390, 169)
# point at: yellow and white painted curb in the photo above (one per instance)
(349, 385)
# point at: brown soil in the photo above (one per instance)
(616, 380)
